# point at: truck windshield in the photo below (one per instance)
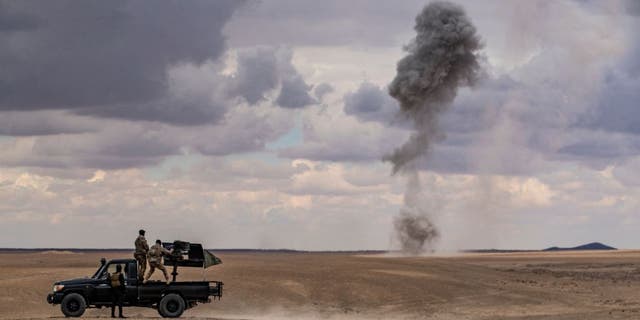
(98, 272)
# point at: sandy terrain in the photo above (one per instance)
(562, 285)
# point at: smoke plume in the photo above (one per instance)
(441, 58)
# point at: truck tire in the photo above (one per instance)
(73, 305)
(171, 306)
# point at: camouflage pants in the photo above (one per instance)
(142, 264)
(152, 268)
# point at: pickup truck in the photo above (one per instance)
(171, 300)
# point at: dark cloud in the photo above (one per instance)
(322, 89)
(370, 103)
(633, 7)
(475, 110)
(631, 61)
(587, 150)
(617, 106)
(261, 70)
(618, 110)
(15, 21)
(256, 74)
(88, 54)
(37, 123)
(185, 110)
(295, 93)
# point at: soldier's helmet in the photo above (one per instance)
(141, 232)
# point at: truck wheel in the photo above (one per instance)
(73, 305)
(171, 306)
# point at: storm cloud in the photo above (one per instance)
(370, 103)
(105, 57)
(262, 69)
(257, 73)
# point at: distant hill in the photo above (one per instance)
(588, 246)
(497, 251)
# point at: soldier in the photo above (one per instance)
(155, 260)
(142, 250)
(118, 289)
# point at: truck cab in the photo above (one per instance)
(101, 294)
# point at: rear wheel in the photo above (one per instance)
(73, 305)
(171, 306)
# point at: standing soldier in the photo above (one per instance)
(155, 260)
(142, 250)
(118, 289)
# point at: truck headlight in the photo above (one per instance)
(58, 287)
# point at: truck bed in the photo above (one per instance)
(191, 291)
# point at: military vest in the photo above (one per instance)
(115, 280)
(155, 253)
(141, 245)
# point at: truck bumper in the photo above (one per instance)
(216, 291)
(55, 298)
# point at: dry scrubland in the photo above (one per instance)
(563, 285)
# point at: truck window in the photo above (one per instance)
(111, 268)
(132, 270)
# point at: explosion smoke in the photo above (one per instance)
(442, 57)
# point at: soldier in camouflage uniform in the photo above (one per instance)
(156, 253)
(142, 250)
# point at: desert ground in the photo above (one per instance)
(559, 285)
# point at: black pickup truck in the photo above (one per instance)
(75, 295)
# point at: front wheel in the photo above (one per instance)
(73, 305)
(171, 306)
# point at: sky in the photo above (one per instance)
(262, 124)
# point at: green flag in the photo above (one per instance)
(210, 259)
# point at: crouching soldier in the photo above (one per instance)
(142, 250)
(156, 253)
(118, 290)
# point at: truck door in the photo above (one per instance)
(131, 280)
(102, 290)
